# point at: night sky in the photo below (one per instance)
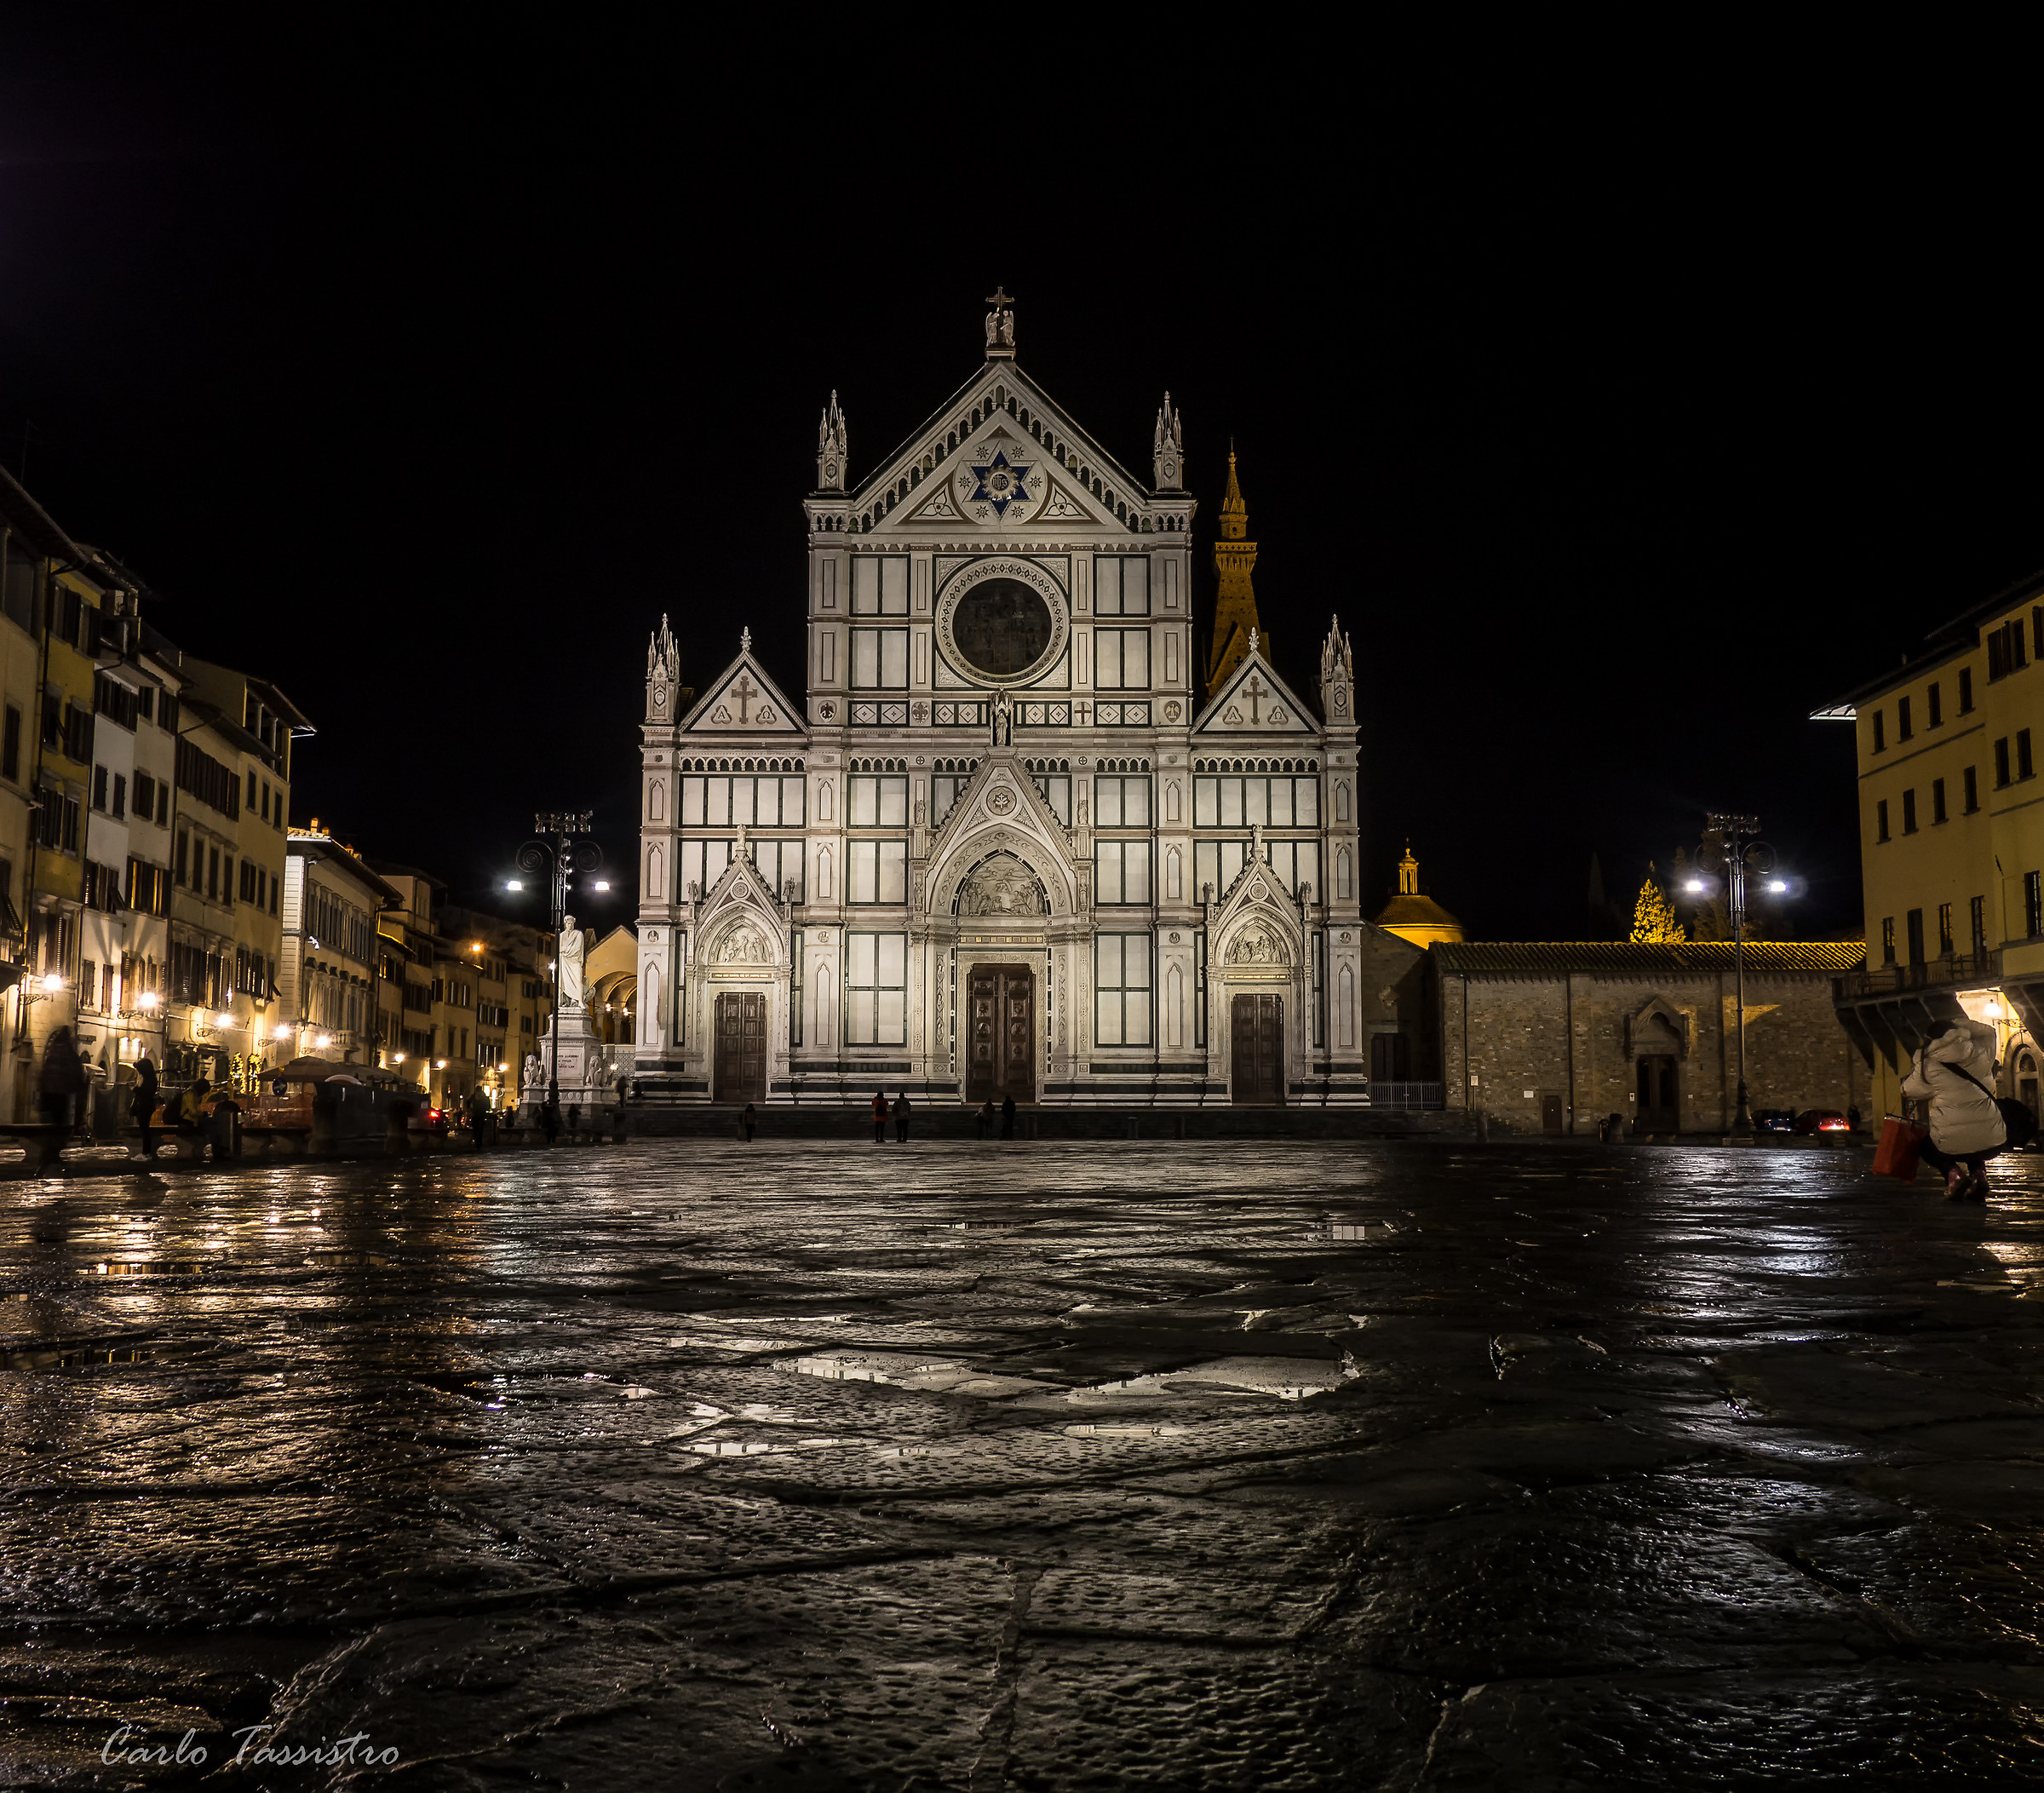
(422, 374)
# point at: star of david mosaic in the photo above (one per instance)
(1000, 483)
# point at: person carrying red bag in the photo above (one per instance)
(1956, 1072)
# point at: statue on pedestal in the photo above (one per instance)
(568, 965)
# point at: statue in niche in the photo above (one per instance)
(1002, 886)
(1002, 707)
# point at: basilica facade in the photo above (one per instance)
(1011, 838)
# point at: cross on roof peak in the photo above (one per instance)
(999, 296)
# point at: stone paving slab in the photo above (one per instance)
(1283, 1464)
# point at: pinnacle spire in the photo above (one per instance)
(1234, 514)
(1238, 631)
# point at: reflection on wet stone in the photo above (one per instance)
(1293, 1466)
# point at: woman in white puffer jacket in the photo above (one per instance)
(1956, 1073)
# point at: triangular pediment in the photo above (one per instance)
(949, 474)
(1256, 921)
(739, 921)
(1001, 811)
(743, 700)
(1255, 702)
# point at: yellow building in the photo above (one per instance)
(510, 967)
(1413, 916)
(1951, 819)
(1235, 623)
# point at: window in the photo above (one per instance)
(162, 806)
(120, 795)
(2033, 904)
(1217, 863)
(99, 788)
(1120, 802)
(213, 873)
(1944, 930)
(68, 836)
(876, 802)
(1057, 792)
(1933, 703)
(1937, 813)
(1971, 785)
(1120, 585)
(876, 872)
(718, 801)
(1887, 939)
(880, 586)
(1120, 659)
(794, 988)
(1199, 989)
(1235, 803)
(779, 863)
(2037, 630)
(1909, 812)
(944, 792)
(184, 854)
(266, 800)
(1881, 731)
(2025, 766)
(10, 745)
(1915, 925)
(1979, 917)
(1296, 863)
(1880, 820)
(208, 780)
(1903, 730)
(876, 994)
(2001, 762)
(1121, 871)
(2007, 650)
(1966, 690)
(880, 660)
(1121, 989)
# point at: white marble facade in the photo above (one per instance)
(1000, 842)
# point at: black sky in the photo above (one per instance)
(422, 368)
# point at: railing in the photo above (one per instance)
(1384, 1094)
(1950, 968)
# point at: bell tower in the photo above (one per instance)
(1235, 602)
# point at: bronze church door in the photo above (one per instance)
(741, 1066)
(1256, 1049)
(1000, 1006)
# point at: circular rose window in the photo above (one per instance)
(1001, 627)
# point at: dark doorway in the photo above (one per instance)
(1257, 1050)
(741, 1066)
(1001, 1003)
(1660, 1100)
(1550, 1115)
(1915, 936)
(1390, 1059)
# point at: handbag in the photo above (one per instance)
(1901, 1142)
(2019, 1124)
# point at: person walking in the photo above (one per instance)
(550, 1120)
(879, 1117)
(901, 1117)
(748, 1121)
(1008, 1117)
(1955, 1073)
(983, 1122)
(63, 1077)
(478, 1117)
(143, 1103)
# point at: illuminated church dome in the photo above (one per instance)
(1413, 916)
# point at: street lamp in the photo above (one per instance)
(562, 848)
(1744, 855)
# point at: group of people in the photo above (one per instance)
(61, 1083)
(982, 1122)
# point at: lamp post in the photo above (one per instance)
(560, 848)
(1743, 854)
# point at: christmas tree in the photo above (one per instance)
(1654, 922)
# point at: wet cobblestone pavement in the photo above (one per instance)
(1271, 1466)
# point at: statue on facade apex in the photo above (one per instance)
(993, 328)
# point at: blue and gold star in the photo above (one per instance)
(1000, 483)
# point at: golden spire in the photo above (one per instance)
(1235, 620)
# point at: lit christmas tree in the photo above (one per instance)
(1654, 924)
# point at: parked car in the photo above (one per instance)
(1774, 1120)
(1822, 1120)
(426, 1119)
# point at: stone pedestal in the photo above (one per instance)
(581, 1078)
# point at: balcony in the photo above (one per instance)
(1953, 970)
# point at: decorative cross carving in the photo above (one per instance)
(744, 691)
(1255, 691)
(1082, 709)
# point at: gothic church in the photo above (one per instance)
(1011, 839)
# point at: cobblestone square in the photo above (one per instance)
(1261, 1465)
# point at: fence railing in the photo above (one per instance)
(1386, 1094)
(1949, 968)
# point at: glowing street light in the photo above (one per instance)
(52, 984)
(146, 1000)
(284, 1031)
(223, 1019)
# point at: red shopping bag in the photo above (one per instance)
(1896, 1155)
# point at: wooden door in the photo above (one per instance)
(741, 1062)
(1001, 1010)
(1660, 1106)
(1550, 1115)
(1256, 1033)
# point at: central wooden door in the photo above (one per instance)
(741, 1065)
(1257, 1050)
(1001, 1010)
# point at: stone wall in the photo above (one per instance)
(1508, 1042)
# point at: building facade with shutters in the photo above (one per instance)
(1004, 841)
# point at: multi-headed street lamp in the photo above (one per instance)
(561, 847)
(1740, 856)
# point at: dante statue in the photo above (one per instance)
(568, 960)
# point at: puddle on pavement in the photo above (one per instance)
(154, 1267)
(1351, 1232)
(1288, 1378)
(924, 1374)
(58, 1358)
